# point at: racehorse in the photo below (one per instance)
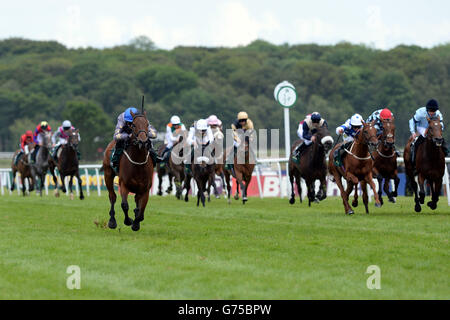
(163, 170)
(242, 171)
(43, 158)
(175, 163)
(357, 166)
(385, 161)
(312, 166)
(67, 165)
(203, 171)
(23, 167)
(135, 172)
(430, 164)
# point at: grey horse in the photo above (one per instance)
(40, 167)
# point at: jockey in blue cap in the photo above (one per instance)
(123, 133)
(306, 130)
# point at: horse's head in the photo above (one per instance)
(73, 138)
(388, 135)
(139, 128)
(434, 131)
(324, 138)
(46, 139)
(369, 134)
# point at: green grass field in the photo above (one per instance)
(266, 249)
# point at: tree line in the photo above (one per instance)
(44, 80)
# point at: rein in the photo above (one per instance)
(134, 162)
(354, 155)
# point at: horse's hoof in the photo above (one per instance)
(217, 196)
(292, 200)
(236, 197)
(417, 207)
(229, 201)
(112, 224)
(186, 199)
(394, 194)
(71, 196)
(392, 200)
(378, 205)
(135, 226)
(422, 198)
(128, 222)
(159, 193)
(354, 204)
(350, 212)
(432, 205)
(316, 200)
(82, 197)
(57, 194)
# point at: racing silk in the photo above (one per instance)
(419, 121)
(348, 130)
(236, 126)
(307, 128)
(122, 130)
(378, 123)
(39, 130)
(218, 134)
(171, 135)
(24, 140)
(61, 137)
(196, 138)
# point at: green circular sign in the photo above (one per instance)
(287, 96)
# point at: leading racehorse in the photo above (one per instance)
(357, 166)
(67, 164)
(430, 164)
(135, 172)
(311, 167)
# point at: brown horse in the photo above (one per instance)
(135, 173)
(430, 164)
(203, 171)
(385, 161)
(67, 165)
(24, 169)
(357, 166)
(163, 170)
(242, 171)
(312, 166)
(176, 165)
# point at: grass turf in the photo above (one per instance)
(266, 249)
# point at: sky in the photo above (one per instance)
(106, 23)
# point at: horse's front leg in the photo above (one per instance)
(396, 183)
(142, 203)
(291, 180)
(369, 180)
(365, 196)
(322, 194)
(435, 189)
(70, 187)
(109, 182)
(421, 189)
(125, 207)
(80, 186)
(22, 179)
(170, 188)
(160, 179)
(387, 191)
(380, 190)
(14, 172)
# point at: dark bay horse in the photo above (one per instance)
(385, 161)
(23, 167)
(357, 167)
(135, 173)
(43, 159)
(242, 171)
(175, 164)
(162, 170)
(203, 171)
(312, 166)
(68, 165)
(430, 165)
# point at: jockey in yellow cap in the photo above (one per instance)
(244, 123)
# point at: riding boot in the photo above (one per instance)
(414, 145)
(16, 159)
(298, 151)
(188, 168)
(116, 153)
(55, 153)
(155, 157)
(34, 153)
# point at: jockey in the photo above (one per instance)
(216, 127)
(200, 134)
(60, 137)
(350, 128)
(123, 132)
(244, 123)
(418, 125)
(379, 116)
(306, 130)
(174, 130)
(25, 139)
(41, 128)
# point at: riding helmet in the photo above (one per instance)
(242, 115)
(128, 117)
(432, 105)
(356, 120)
(316, 117)
(175, 120)
(66, 125)
(385, 114)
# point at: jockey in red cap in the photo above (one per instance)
(378, 116)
